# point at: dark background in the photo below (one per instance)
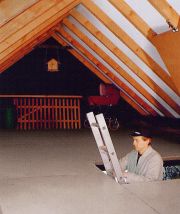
(30, 75)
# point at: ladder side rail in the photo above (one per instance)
(109, 145)
(98, 138)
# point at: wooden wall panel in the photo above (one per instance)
(168, 45)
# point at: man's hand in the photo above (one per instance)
(104, 148)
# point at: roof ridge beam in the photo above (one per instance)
(134, 18)
(130, 43)
(129, 63)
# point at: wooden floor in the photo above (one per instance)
(54, 172)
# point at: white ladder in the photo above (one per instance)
(105, 145)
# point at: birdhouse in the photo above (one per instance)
(53, 65)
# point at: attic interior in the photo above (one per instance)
(147, 79)
(60, 59)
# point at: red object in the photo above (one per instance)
(109, 96)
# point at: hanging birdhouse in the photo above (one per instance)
(53, 65)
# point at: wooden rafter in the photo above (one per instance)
(116, 67)
(129, 63)
(133, 17)
(116, 30)
(107, 72)
(80, 58)
(35, 28)
(27, 49)
(10, 9)
(82, 50)
(133, 104)
(166, 11)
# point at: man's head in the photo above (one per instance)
(141, 140)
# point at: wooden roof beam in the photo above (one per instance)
(130, 43)
(133, 104)
(133, 17)
(80, 58)
(171, 16)
(116, 67)
(24, 19)
(129, 63)
(10, 9)
(37, 27)
(27, 49)
(134, 97)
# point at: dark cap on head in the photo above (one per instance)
(141, 132)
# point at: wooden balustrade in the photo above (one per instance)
(46, 112)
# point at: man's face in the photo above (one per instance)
(140, 144)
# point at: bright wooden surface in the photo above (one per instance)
(166, 11)
(133, 17)
(170, 54)
(28, 32)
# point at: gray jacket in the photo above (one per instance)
(149, 167)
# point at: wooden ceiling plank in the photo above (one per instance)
(64, 5)
(45, 26)
(116, 67)
(108, 73)
(166, 11)
(81, 59)
(10, 9)
(130, 43)
(25, 18)
(129, 63)
(133, 17)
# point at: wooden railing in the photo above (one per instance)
(46, 112)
